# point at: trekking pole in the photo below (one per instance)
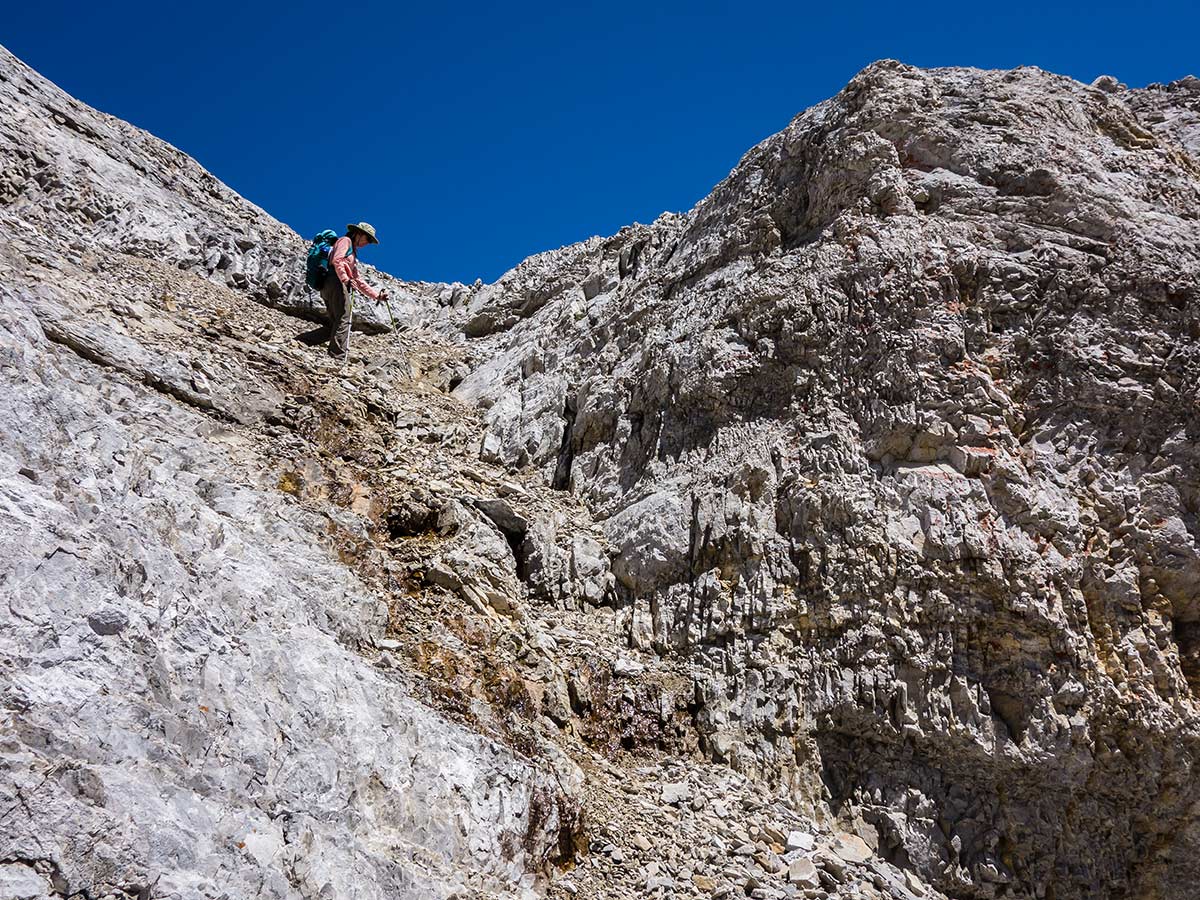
(350, 330)
(387, 301)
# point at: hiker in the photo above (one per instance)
(335, 290)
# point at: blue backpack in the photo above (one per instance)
(316, 266)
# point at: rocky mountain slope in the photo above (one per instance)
(837, 538)
(193, 702)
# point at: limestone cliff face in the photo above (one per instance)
(895, 441)
(838, 538)
(192, 702)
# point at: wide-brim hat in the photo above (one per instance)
(365, 228)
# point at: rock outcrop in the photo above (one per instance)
(838, 538)
(894, 439)
(192, 702)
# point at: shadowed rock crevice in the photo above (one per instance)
(561, 480)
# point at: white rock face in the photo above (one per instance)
(182, 689)
(189, 706)
(895, 441)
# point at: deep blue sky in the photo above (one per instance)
(476, 134)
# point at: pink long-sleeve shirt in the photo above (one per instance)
(345, 266)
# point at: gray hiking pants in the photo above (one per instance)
(339, 307)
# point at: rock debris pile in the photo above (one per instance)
(682, 829)
(839, 538)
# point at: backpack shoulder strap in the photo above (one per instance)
(351, 252)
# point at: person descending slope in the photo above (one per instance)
(337, 280)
